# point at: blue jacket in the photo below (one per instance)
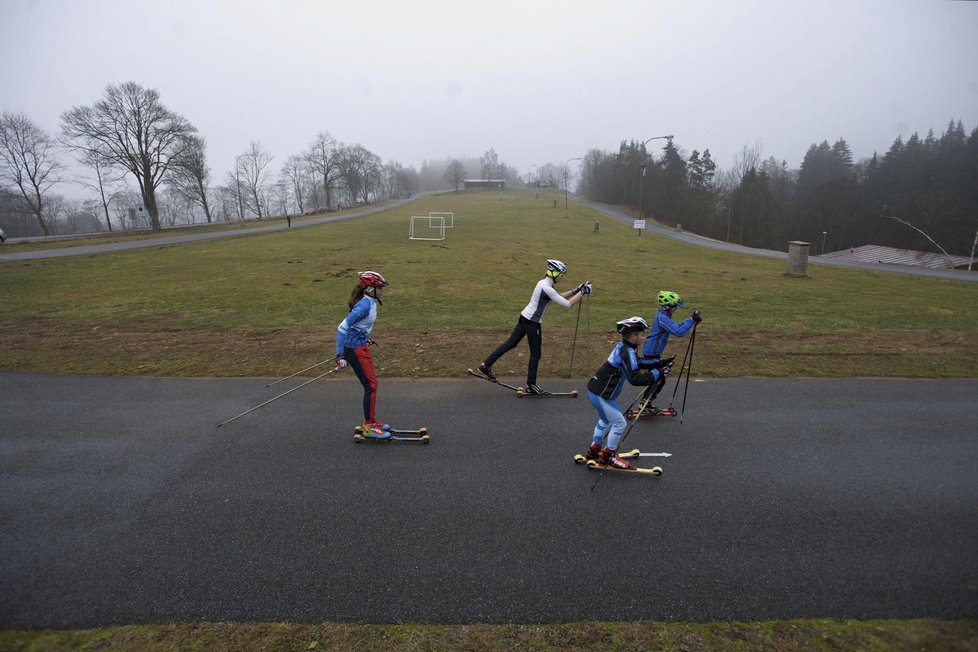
(354, 331)
(621, 364)
(661, 327)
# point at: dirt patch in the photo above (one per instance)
(156, 346)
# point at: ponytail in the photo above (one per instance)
(355, 296)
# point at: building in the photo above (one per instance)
(485, 183)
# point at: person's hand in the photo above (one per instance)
(341, 362)
(585, 287)
(697, 317)
(665, 370)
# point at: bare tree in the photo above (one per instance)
(135, 131)
(252, 176)
(294, 176)
(323, 157)
(490, 164)
(359, 169)
(105, 175)
(455, 172)
(189, 173)
(28, 161)
(748, 158)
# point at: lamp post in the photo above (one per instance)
(824, 234)
(643, 166)
(565, 180)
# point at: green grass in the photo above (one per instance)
(269, 304)
(947, 636)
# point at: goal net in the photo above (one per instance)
(427, 227)
(449, 218)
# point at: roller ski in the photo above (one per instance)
(535, 391)
(582, 459)
(486, 374)
(650, 412)
(601, 459)
(378, 432)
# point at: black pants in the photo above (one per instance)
(534, 337)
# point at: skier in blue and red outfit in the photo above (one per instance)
(528, 324)
(606, 384)
(353, 346)
(662, 327)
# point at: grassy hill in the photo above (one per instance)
(269, 304)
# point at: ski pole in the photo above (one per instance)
(570, 370)
(279, 396)
(689, 372)
(682, 366)
(318, 364)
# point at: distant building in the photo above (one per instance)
(892, 256)
(485, 183)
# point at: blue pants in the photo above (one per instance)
(611, 421)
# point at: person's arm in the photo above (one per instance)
(636, 374)
(672, 327)
(359, 312)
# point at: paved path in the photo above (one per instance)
(121, 502)
(80, 250)
(692, 238)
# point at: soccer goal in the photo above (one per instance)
(449, 218)
(429, 227)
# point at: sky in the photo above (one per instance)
(539, 81)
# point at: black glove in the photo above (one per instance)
(696, 317)
(585, 287)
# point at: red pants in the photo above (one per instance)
(363, 367)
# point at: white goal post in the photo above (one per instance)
(449, 218)
(435, 225)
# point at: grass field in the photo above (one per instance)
(268, 305)
(780, 636)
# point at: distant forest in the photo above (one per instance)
(145, 166)
(931, 183)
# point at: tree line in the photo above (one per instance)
(146, 166)
(919, 189)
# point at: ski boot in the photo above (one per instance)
(486, 371)
(593, 452)
(532, 389)
(374, 431)
(611, 458)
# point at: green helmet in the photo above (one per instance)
(668, 299)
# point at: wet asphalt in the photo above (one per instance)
(122, 502)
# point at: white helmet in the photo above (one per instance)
(632, 324)
(555, 267)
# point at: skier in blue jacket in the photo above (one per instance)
(353, 346)
(606, 384)
(661, 328)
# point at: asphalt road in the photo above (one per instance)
(122, 502)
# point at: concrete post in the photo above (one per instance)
(797, 258)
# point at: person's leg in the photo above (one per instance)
(519, 332)
(534, 337)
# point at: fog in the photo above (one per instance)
(539, 82)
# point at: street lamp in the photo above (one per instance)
(824, 233)
(643, 166)
(565, 180)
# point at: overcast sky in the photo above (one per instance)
(537, 80)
